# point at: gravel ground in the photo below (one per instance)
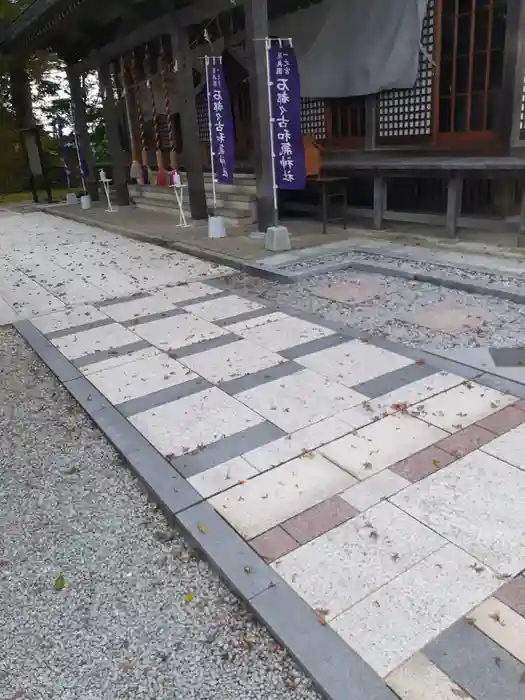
(100, 600)
(384, 313)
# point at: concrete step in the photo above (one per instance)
(232, 217)
(243, 207)
(234, 198)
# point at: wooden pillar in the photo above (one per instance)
(509, 109)
(191, 144)
(118, 159)
(256, 13)
(380, 201)
(78, 99)
(454, 204)
(371, 112)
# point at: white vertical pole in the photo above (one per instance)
(208, 87)
(268, 43)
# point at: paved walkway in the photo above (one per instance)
(384, 492)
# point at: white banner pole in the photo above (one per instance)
(268, 44)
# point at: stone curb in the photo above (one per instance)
(336, 671)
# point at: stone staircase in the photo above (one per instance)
(235, 203)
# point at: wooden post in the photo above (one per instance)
(509, 110)
(78, 99)
(180, 46)
(119, 174)
(521, 230)
(256, 14)
(380, 194)
(371, 110)
(454, 203)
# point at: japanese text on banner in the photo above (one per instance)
(285, 99)
(222, 134)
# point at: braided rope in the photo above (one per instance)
(152, 95)
(140, 113)
(163, 64)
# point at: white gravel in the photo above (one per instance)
(123, 626)
(383, 314)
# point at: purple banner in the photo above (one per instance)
(221, 122)
(285, 103)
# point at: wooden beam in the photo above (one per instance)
(191, 144)
(116, 153)
(371, 113)
(380, 200)
(78, 99)
(509, 109)
(194, 13)
(256, 12)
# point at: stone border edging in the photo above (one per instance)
(336, 671)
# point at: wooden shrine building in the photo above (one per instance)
(446, 142)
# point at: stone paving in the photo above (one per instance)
(384, 491)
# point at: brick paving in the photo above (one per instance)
(387, 493)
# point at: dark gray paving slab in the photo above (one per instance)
(339, 673)
(241, 318)
(56, 362)
(236, 561)
(203, 345)
(222, 294)
(477, 664)
(507, 386)
(394, 380)
(158, 398)
(121, 300)
(249, 381)
(141, 320)
(102, 355)
(329, 341)
(508, 357)
(91, 400)
(227, 448)
(63, 332)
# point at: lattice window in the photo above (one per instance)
(313, 119)
(409, 112)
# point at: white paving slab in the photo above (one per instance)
(354, 362)
(194, 421)
(299, 400)
(348, 563)
(7, 313)
(378, 487)
(477, 503)
(134, 379)
(381, 444)
(224, 476)
(279, 494)
(419, 679)
(281, 335)
(97, 339)
(295, 444)
(178, 331)
(232, 361)
(389, 626)
(399, 399)
(226, 307)
(70, 318)
(158, 302)
(509, 447)
(461, 406)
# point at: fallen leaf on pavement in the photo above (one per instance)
(59, 583)
(188, 597)
(321, 615)
(202, 527)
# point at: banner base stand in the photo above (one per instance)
(71, 198)
(216, 227)
(277, 239)
(85, 201)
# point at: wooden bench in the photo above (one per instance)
(454, 169)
